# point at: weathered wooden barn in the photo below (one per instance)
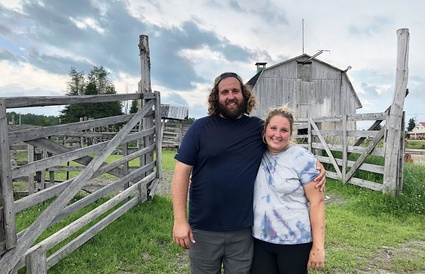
(307, 85)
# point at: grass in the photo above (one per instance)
(138, 242)
(365, 231)
(415, 144)
(363, 227)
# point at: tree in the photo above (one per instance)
(77, 84)
(134, 106)
(411, 125)
(31, 119)
(95, 83)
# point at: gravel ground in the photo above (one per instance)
(418, 159)
(164, 187)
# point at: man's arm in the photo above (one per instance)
(182, 233)
(320, 180)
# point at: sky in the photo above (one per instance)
(192, 42)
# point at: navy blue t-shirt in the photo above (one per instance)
(225, 155)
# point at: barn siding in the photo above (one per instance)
(315, 88)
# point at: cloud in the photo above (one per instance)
(369, 26)
(8, 56)
(192, 42)
(174, 99)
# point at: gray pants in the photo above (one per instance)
(213, 250)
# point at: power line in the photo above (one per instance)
(412, 114)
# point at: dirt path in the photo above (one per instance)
(418, 159)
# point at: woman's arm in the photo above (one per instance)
(316, 199)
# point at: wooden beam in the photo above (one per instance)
(11, 258)
(7, 209)
(395, 117)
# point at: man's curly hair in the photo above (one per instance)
(247, 94)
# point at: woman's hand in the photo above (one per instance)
(316, 260)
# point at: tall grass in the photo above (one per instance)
(415, 144)
(366, 232)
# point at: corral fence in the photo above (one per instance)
(348, 151)
(355, 156)
(132, 176)
(172, 134)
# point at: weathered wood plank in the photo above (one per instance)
(158, 143)
(357, 182)
(9, 260)
(36, 261)
(365, 167)
(103, 191)
(17, 136)
(65, 154)
(352, 149)
(70, 229)
(90, 233)
(39, 101)
(367, 184)
(380, 116)
(322, 140)
(365, 153)
(55, 190)
(7, 213)
(394, 120)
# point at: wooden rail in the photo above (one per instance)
(133, 176)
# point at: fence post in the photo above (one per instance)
(31, 179)
(399, 186)
(344, 148)
(7, 209)
(35, 262)
(145, 87)
(393, 131)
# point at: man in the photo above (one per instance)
(220, 155)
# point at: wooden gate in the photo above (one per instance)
(136, 173)
(353, 156)
(384, 141)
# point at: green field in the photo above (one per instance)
(366, 232)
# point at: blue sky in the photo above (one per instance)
(191, 42)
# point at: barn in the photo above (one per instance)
(307, 85)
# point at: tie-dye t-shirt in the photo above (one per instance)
(281, 210)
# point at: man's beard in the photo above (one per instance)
(232, 113)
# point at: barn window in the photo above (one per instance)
(304, 71)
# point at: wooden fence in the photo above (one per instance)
(173, 134)
(136, 174)
(348, 151)
(21, 154)
(354, 156)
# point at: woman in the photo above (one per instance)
(289, 218)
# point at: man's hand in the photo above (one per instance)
(182, 234)
(320, 180)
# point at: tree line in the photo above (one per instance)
(96, 82)
(31, 119)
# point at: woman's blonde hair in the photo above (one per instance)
(283, 111)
